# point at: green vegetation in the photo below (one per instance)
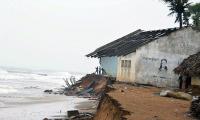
(195, 14)
(180, 9)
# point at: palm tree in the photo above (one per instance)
(179, 8)
(195, 11)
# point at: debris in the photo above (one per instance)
(75, 115)
(72, 113)
(195, 107)
(66, 82)
(92, 87)
(178, 95)
(90, 84)
(83, 116)
(86, 91)
(164, 93)
(48, 91)
(73, 80)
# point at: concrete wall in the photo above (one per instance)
(155, 61)
(126, 74)
(109, 64)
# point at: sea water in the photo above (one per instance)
(22, 96)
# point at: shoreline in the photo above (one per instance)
(40, 110)
(97, 97)
(89, 106)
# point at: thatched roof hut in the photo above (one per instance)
(190, 66)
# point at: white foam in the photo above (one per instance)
(41, 110)
(2, 104)
(3, 71)
(4, 89)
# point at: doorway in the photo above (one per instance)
(185, 81)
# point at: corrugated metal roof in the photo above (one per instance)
(130, 43)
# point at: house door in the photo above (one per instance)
(125, 70)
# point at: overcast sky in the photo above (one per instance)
(57, 34)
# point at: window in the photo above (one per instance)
(129, 63)
(125, 69)
(122, 63)
(126, 63)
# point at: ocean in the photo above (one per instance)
(22, 96)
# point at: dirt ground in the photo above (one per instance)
(144, 103)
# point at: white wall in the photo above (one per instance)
(126, 75)
(173, 48)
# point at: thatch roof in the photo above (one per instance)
(189, 66)
(130, 43)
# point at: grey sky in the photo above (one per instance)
(56, 34)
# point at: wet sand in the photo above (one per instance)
(87, 106)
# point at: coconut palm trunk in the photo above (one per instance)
(180, 20)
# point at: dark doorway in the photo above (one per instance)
(185, 81)
(188, 82)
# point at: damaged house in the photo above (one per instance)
(190, 68)
(148, 57)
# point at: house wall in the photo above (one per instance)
(109, 64)
(155, 61)
(126, 73)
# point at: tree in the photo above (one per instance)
(186, 18)
(179, 8)
(195, 12)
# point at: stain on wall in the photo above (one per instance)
(126, 73)
(155, 61)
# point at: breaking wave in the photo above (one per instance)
(3, 71)
(4, 89)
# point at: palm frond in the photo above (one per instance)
(178, 7)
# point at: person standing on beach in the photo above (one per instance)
(97, 70)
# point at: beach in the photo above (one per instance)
(55, 106)
(22, 94)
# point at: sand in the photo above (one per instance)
(144, 104)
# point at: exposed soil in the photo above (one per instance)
(97, 84)
(108, 110)
(143, 103)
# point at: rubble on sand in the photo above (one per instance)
(75, 115)
(195, 107)
(91, 86)
(177, 95)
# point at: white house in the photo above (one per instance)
(149, 57)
